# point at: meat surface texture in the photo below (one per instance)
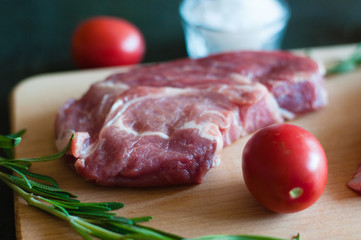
(166, 124)
(355, 182)
(295, 81)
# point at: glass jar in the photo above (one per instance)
(213, 26)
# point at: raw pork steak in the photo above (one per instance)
(295, 81)
(167, 123)
(148, 136)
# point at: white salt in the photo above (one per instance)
(233, 15)
(213, 26)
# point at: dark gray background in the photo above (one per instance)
(35, 38)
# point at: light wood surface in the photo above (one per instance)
(220, 205)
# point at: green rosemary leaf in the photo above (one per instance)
(48, 188)
(48, 157)
(15, 139)
(343, 67)
(67, 205)
(53, 194)
(141, 219)
(108, 205)
(89, 207)
(42, 190)
(111, 223)
(44, 178)
(349, 64)
(91, 214)
(18, 171)
(93, 205)
(113, 205)
(17, 134)
(94, 208)
(121, 220)
(9, 152)
(56, 205)
(82, 205)
(14, 163)
(110, 227)
(9, 142)
(19, 166)
(52, 190)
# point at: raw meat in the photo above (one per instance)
(167, 123)
(295, 81)
(154, 136)
(355, 182)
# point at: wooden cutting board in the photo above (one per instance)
(220, 205)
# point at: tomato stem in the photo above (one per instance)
(296, 192)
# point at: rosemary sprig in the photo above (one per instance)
(14, 140)
(89, 220)
(349, 64)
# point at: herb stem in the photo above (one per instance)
(95, 230)
(87, 219)
(31, 199)
(36, 201)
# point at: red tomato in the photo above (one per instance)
(107, 41)
(284, 168)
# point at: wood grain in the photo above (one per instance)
(220, 205)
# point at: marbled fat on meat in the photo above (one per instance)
(295, 81)
(153, 136)
(167, 123)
